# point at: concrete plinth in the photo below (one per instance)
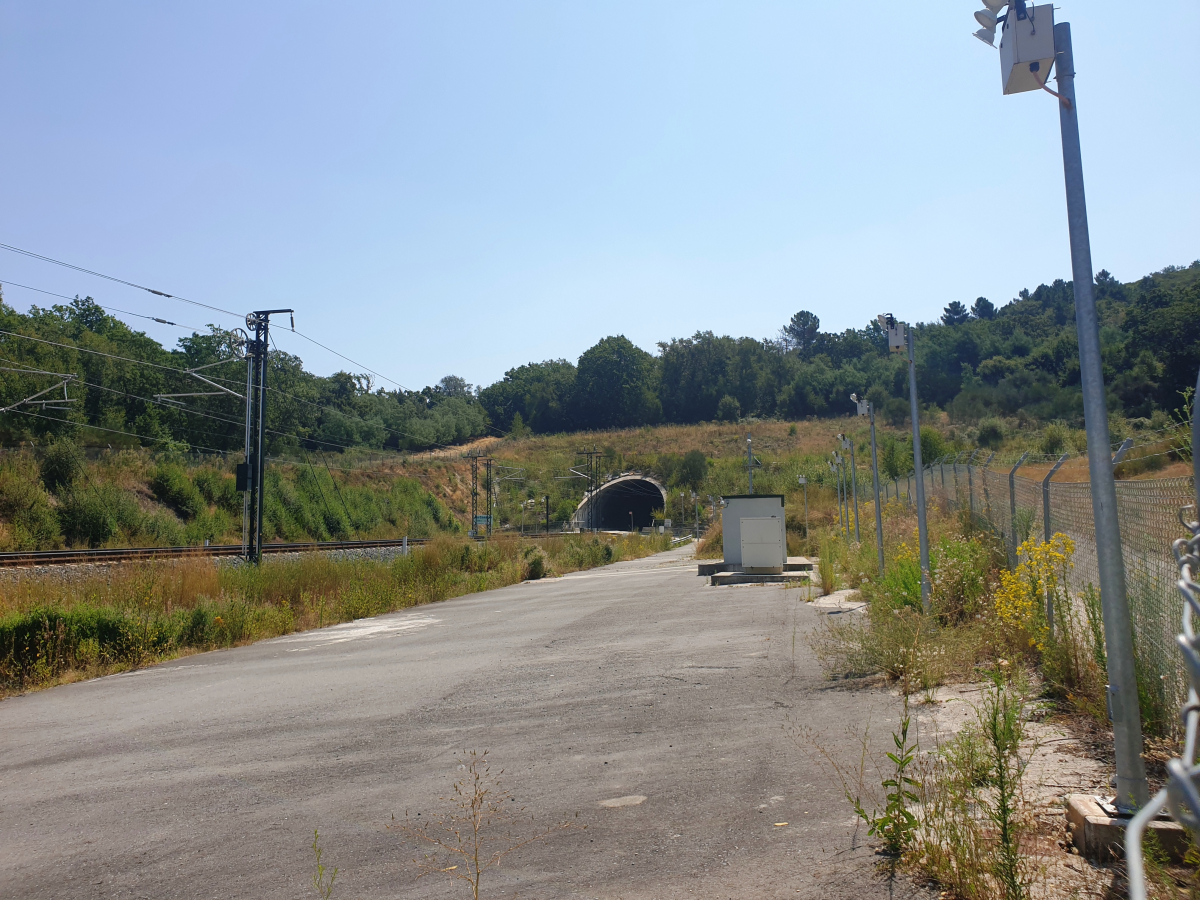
(1099, 834)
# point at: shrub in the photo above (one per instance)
(98, 513)
(728, 409)
(219, 489)
(933, 445)
(26, 507)
(172, 486)
(1054, 439)
(61, 464)
(991, 434)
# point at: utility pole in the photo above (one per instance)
(848, 444)
(260, 323)
(804, 484)
(1132, 790)
(919, 469)
(866, 408)
(546, 500)
(593, 483)
(1025, 64)
(751, 462)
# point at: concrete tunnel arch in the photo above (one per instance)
(609, 507)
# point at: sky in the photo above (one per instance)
(465, 187)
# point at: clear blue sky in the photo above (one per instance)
(456, 187)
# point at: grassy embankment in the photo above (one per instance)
(54, 631)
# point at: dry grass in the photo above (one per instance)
(54, 630)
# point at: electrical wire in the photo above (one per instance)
(140, 287)
(110, 430)
(101, 305)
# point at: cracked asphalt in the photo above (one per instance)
(205, 777)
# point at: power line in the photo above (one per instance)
(110, 430)
(140, 287)
(101, 305)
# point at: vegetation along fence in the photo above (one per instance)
(1017, 508)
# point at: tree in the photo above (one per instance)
(955, 314)
(801, 332)
(983, 308)
(615, 386)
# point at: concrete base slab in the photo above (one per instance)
(1099, 834)
(713, 567)
(792, 578)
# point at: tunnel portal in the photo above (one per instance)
(617, 499)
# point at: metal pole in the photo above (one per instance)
(261, 335)
(845, 497)
(922, 533)
(246, 457)
(1046, 496)
(750, 462)
(854, 485)
(1132, 791)
(1012, 506)
(1046, 528)
(875, 485)
(971, 486)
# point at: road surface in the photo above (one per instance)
(205, 777)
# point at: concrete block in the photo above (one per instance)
(1098, 833)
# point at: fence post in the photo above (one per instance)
(971, 485)
(1012, 507)
(1046, 528)
(987, 497)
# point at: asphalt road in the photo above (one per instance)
(205, 777)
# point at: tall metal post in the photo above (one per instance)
(546, 500)
(260, 321)
(750, 462)
(922, 533)
(875, 485)
(1132, 791)
(1012, 507)
(854, 486)
(251, 357)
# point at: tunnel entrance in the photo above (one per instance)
(617, 500)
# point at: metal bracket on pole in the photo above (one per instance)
(1121, 451)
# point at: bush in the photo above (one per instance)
(991, 434)
(26, 507)
(172, 486)
(728, 409)
(61, 464)
(219, 489)
(97, 514)
(933, 445)
(1054, 439)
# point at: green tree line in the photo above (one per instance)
(1019, 360)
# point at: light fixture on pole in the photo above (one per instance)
(1030, 46)
(865, 408)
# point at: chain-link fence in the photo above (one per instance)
(1018, 508)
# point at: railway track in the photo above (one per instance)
(132, 554)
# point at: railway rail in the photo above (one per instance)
(31, 558)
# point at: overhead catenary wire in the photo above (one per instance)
(132, 284)
(126, 312)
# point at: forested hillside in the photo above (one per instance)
(1017, 361)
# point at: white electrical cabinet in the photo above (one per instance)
(744, 508)
(1026, 47)
(764, 545)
